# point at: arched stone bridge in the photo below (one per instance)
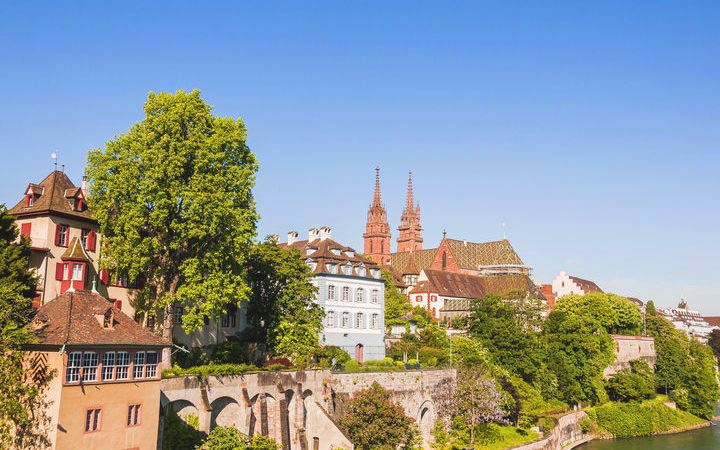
(298, 409)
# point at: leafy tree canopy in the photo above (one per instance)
(230, 438)
(173, 197)
(616, 314)
(396, 304)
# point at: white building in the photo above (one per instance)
(565, 284)
(687, 320)
(351, 290)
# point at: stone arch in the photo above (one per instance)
(183, 407)
(426, 419)
(226, 411)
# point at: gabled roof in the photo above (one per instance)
(421, 259)
(52, 198)
(75, 252)
(327, 251)
(472, 255)
(452, 284)
(74, 318)
(586, 285)
(714, 321)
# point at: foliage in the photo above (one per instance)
(634, 384)
(195, 356)
(714, 342)
(650, 309)
(233, 351)
(639, 419)
(578, 350)
(373, 421)
(502, 327)
(216, 370)
(180, 433)
(283, 310)
(468, 352)
(616, 314)
(174, 202)
(491, 436)
(23, 422)
(431, 341)
(230, 438)
(396, 304)
(324, 356)
(286, 363)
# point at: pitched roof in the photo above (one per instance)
(471, 255)
(75, 252)
(460, 285)
(75, 318)
(714, 321)
(326, 252)
(52, 197)
(403, 261)
(586, 285)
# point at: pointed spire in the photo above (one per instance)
(410, 204)
(376, 197)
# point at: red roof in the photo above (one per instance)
(327, 253)
(586, 285)
(76, 318)
(714, 321)
(54, 194)
(452, 284)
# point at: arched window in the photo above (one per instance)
(444, 261)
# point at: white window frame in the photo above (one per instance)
(360, 295)
(122, 366)
(74, 364)
(345, 319)
(346, 294)
(331, 292)
(108, 367)
(375, 295)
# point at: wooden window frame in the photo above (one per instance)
(97, 417)
(134, 415)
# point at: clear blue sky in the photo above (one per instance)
(590, 128)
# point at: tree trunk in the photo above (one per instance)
(168, 323)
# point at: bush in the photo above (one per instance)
(193, 357)
(323, 356)
(229, 438)
(635, 419)
(634, 384)
(179, 433)
(352, 366)
(285, 362)
(234, 352)
(216, 370)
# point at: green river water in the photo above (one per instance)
(703, 439)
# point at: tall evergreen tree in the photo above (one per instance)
(173, 197)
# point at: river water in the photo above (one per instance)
(703, 439)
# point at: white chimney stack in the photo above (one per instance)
(84, 185)
(313, 234)
(325, 233)
(292, 237)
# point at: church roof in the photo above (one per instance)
(52, 197)
(471, 255)
(421, 259)
(75, 318)
(586, 285)
(452, 284)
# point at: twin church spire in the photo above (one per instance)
(377, 230)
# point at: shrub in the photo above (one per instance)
(634, 384)
(234, 352)
(227, 438)
(282, 361)
(179, 433)
(635, 419)
(352, 366)
(323, 356)
(210, 369)
(192, 357)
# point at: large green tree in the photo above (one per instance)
(616, 314)
(173, 197)
(22, 402)
(282, 308)
(396, 304)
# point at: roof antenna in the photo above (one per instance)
(54, 155)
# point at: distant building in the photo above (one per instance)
(549, 295)
(449, 294)
(565, 284)
(628, 348)
(351, 290)
(106, 391)
(690, 321)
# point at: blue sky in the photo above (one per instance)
(590, 129)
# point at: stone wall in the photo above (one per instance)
(566, 434)
(628, 348)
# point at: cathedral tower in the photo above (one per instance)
(410, 239)
(377, 230)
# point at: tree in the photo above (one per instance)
(616, 314)
(636, 383)
(283, 300)
(173, 197)
(230, 438)
(650, 309)
(396, 304)
(714, 342)
(373, 421)
(22, 400)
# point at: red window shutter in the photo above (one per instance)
(57, 234)
(59, 271)
(104, 277)
(91, 241)
(117, 304)
(25, 229)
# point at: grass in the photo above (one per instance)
(510, 437)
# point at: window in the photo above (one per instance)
(92, 420)
(30, 200)
(151, 362)
(371, 246)
(78, 204)
(133, 415)
(418, 298)
(66, 272)
(346, 294)
(375, 322)
(433, 298)
(62, 232)
(178, 313)
(108, 366)
(88, 238)
(77, 272)
(139, 365)
(90, 366)
(346, 320)
(361, 271)
(444, 261)
(359, 321)
(123, 364)
(229, 319)
(360, 295)
(83, 237)
(72, 373)
(347, 269)
(375, 295)
(331, 292)
(331, 319)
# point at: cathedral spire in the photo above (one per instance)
(410, 238)
(377, 230)
(410, 203)
(376, 198)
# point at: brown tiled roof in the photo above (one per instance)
(421, 259)
(52, 190)
(76, 318)
(586, 285)
(460, 285)
(714, 321)
(636, 300)
(75, 252)
(471, 255)
(322, 252)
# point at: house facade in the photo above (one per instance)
(351, 291)
(565, 284)
(106, 388)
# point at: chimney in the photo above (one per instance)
(84, 185)
(313, 234)
(292, 237)
(325, 233)
(274, 238)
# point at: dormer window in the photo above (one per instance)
(332, 268)
(335, 251)
(78, 204)
(361, 271)
(108, 319)
(310, 250)
(375, 273)
(347, 269)
(30, 200)
(350, 253)
(311, 264)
